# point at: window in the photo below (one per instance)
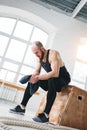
(80, 68)
(10, 66)
(38, 34)
(30, 58)
(82, 53)
(16, 57)
(3, 44)
(7, 25)
(16, 50)
(23, 30)
(26, 70)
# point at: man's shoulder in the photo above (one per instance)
(52, 51)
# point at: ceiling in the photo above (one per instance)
(74, 8)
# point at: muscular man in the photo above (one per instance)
(53, 81)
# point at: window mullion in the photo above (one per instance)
(10, 37)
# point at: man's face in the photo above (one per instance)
(38, 52)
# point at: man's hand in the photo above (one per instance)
(34, 79)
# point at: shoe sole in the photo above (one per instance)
(19, 113)
(39, 121)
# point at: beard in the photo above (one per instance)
(42, 55)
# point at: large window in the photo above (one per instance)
(16, 57)
(80, 69)
(3, 44)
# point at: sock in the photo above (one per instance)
(46, 115)
(22, 107)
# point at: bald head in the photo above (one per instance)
(38, 49)
(37, 44)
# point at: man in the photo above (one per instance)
(53, 81)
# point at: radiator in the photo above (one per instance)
(11, 94)
(8, 93)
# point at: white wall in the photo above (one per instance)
(64, 32)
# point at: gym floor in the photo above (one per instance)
(30, 113)
(31, 108)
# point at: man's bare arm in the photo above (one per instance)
(38, 68)
(34, 78)
(55, 66)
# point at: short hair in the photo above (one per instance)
(38, 44)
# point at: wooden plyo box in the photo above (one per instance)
(69, 108)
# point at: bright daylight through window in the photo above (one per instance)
(16, 57)
(80, 69)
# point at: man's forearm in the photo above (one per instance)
(47, 76)
(36, 73)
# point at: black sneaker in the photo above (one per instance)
(18, 110)
(42, 118)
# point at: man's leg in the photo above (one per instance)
(51, 94)
(20, 109)
(26, 96)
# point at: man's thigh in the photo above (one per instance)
(44, 84)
